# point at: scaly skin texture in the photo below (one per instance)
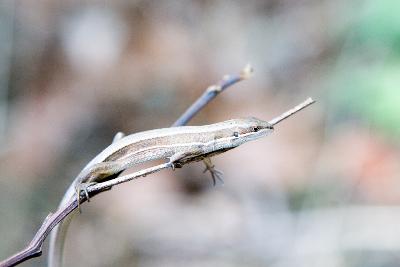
(196, 142)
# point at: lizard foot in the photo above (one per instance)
(215, 174)
(82, 188)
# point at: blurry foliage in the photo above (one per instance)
(372, 95)
(315, 196)
(369, 75)
(380, 24)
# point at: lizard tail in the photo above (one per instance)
(59, 233)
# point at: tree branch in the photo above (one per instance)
(34, 248)
(211, 92)
(292, 111)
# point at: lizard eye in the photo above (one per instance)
(236, 134)
(256, 128)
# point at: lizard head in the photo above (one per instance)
(239, 131)
(251, 128)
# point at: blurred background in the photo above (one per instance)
(323, 190)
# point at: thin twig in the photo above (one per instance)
(211, 92)
(128, 177)
(292, 111)
(34, 248)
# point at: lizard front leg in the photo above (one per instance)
(215, 174)
(180, 158)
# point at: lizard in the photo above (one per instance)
(178, 144)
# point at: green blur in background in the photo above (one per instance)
(368, 67)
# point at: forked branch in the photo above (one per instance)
(34, 248)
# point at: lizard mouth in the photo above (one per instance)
(257, 134)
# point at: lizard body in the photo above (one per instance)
(194, 142)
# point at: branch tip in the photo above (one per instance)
(214, 88)
(246, 72)
(292, 111)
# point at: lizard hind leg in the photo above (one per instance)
(98, 173)
(83, 187)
